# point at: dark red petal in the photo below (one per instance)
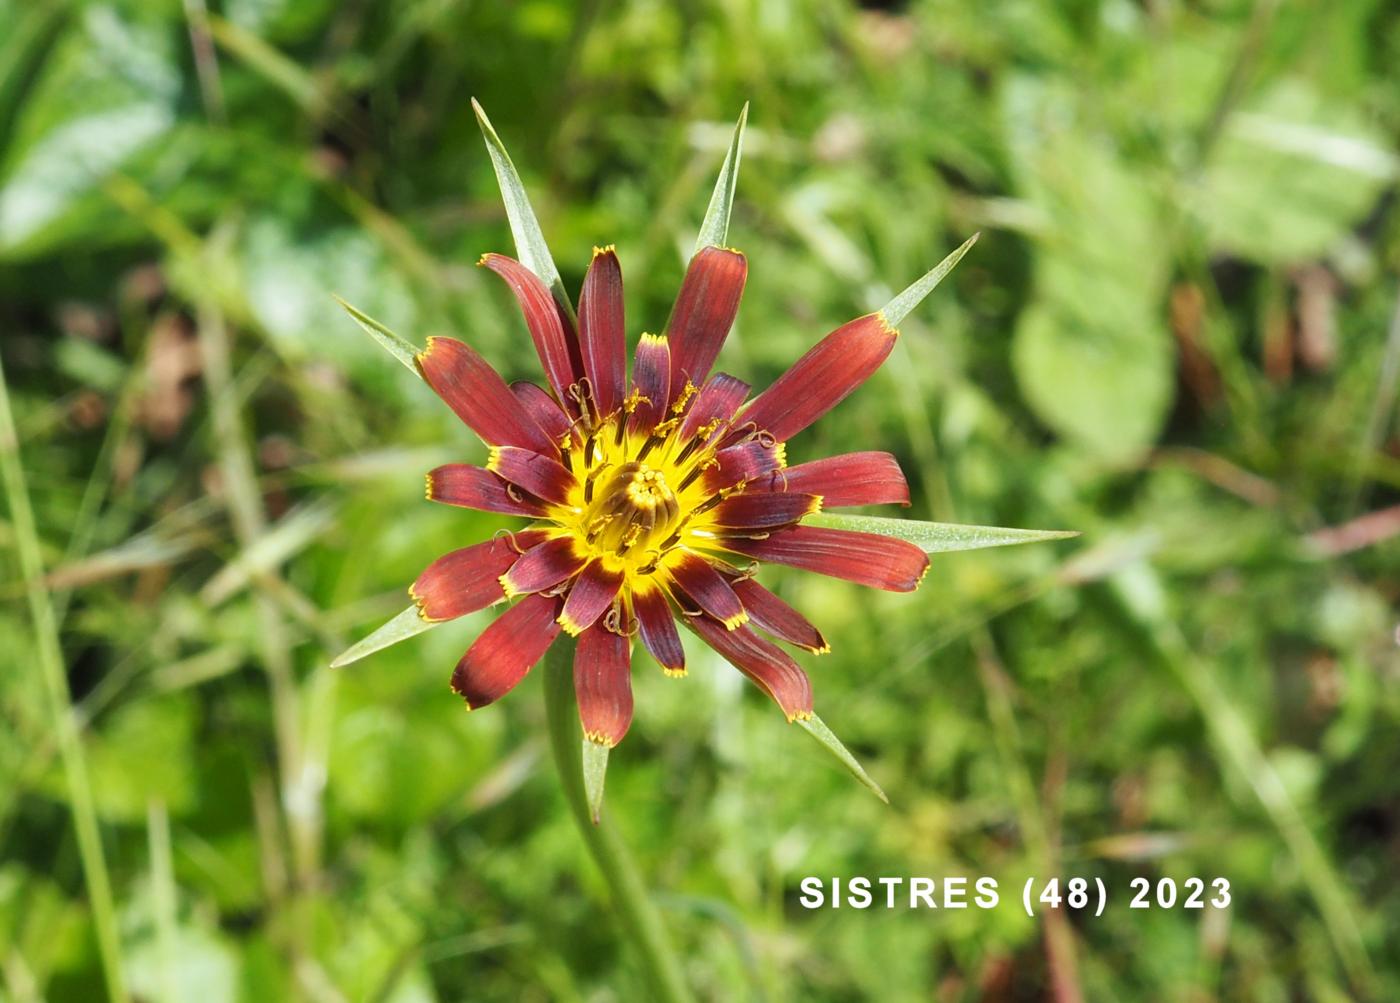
(704, 312)
(603, 683)
(505, 651)
(778, 618)
(864, 558)
(717, 399)
(543, 566)
(651, 375)
(658, 627)
(765, 510)
(762, 661)
(851, 479)
(823, 378)
(707, 589)
(479, 396)
(543, 408)
(742, 462)
(466, 486)
(593, 592)
(602, 332)
(467, 580)
(543, 318)
(539, 475)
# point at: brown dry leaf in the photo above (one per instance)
(1187, 310)
(1317, 317)
(172, 365)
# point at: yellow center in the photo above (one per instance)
(641, 497)
(632, 509)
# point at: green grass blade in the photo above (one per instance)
(817, 728)
(524, 226)
(49, 656)
(398, 347)
(400, 628)
(937, 537)
(903, 305)
(714, 231)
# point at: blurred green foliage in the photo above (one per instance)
(1172, 336)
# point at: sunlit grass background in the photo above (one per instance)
(1172, 336)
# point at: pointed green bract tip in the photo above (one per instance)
(524, 226)
(937, 537)
(903, 305)
(595, 771)
(397, 346)
(405, 625)
(817, 728)
(715, 229)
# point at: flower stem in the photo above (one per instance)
(635, 910)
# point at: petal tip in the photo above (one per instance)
(736, 621)
(674, 672)
(571, 626)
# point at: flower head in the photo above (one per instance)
(650, 499)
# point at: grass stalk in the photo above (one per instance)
(49, 655)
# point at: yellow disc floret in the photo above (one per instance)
(641, 497)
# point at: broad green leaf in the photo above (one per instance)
(817, 728)
(68, 163)
(96, 102)
(595, 771)
(524, 227)
(714, 231)
(1291, 175)
(396, 346)
(1091, 352)
(902, 305)
(1106, 390)
(405, 625)
(27, 46)
(936, 537)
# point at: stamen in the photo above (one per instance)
(612, 620)
(687, 392)
(582, 394)
(748, 572)
(689, 478)
(510, 540)
(685, 452)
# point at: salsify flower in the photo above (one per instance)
(651, 498)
